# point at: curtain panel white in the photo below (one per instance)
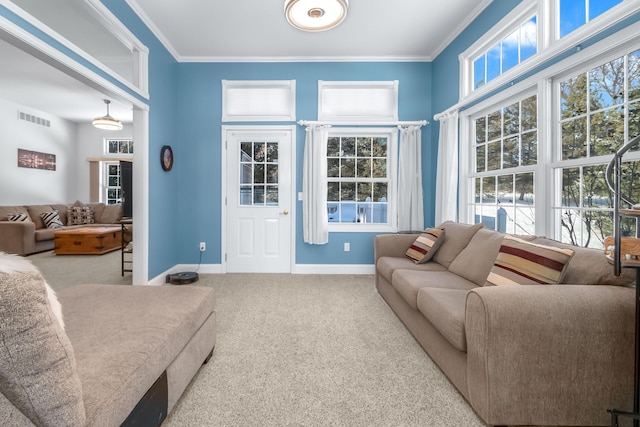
(315, 220)
(410, 206)
(447, 170)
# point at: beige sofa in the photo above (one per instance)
(31, 236)
(125, 356)
(520, 355)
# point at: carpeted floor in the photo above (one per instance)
(298, 350)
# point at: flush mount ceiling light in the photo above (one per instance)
(315, 15)
(107, 122)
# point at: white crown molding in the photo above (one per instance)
(304, 59)
(133, 4)
(482, 5)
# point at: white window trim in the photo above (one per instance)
(547, 49)
(114, 155)
(261, 109)
(612, 47)
(140, 52)
(392, 193)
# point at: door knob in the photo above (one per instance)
(284, 212)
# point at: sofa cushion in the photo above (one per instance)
(98, 209)
(524, 263)
(476, 260)
(5, 211)
(386, 265)
(77, 215)
(111, 214)
(456, 238)
(408, 282)
(62, 212)
(35, 211)
(45, 234)
(51, 219)
(425, 246)
(18, 217)
(124, 337)
(445, 309)
(37, 363)
(589, 266)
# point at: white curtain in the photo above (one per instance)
(410, 206)
(447, 171)
(315, 221)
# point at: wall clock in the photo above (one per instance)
(166, 158)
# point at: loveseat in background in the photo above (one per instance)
(32, 236)
(521, 355)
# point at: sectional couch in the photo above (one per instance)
(546, 354)
(116, 356)
(32, 235)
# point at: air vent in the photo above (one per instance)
(34, 119)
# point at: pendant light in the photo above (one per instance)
(107, 122)
(315, 15)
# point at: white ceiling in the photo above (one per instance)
(206, 30)
(242, 30)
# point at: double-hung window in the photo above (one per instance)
(111, 182)
(361, 179)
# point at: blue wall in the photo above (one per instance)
(198, 150)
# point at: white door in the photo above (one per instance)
(258, 200)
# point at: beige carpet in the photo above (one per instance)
(299, 350)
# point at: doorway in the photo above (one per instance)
(258, 201)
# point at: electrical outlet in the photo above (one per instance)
(347, 247)
(203, 246)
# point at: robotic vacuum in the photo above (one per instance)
(182, 278)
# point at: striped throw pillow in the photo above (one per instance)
(523, 263)
(51, 219)
(427, 243)
(18, 217)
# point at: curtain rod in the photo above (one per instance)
(397, 123)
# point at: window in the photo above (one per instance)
(575, 13)
(116, 146)
(259, 173)
(112, 191)
(505, 149)
(360, 178)
(516, 47)
(599, 113)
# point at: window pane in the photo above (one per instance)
(505, 189)
(272, 195)
(380, 192)
(606, 132)
(510, 50)
(597, 7)
(478, 72)
(333, 147)
(481, 128)
(633, 62)
(488, 190)
(272, 174)
(258, 173)
(348, 147)
(493, 62)
(634, 121)
(529, 113)
(573, 94)
(573, 14)
(511, 153)
(528, 39)
(364, 168)
(571, 227)
(379, 168)
(364, 191)
(113, 170)
(348, 168)
(333, 168)
(347, 191)
(494, 126)
(607, 85)
(364, 147)
(630, 180)
(493, 156)
(245, 152)
(524, 189)
(529, 148)
(258, 195)
(245, 195)
(259, 151)
(574, 139)
(571, 187)
(333, 191)
(272, 152)
(114, 181)
(511, 119)
(379, 147)
(595, 191)
(480, 158)
(476, 185)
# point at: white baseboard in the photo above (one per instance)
(367, 269)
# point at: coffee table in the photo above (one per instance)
(96, 240)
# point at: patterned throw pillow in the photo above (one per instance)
(427, 243)
(18, 217)
(523, 263)
(51, 219)
(77, 215)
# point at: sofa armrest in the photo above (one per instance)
(559, 354)
(17, 237)
(394, 245)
